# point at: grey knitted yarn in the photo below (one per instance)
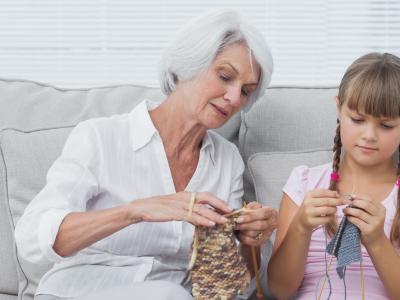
(345, 245)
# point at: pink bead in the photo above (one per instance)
(398, 182)
(335, 176)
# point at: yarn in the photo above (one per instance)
(345, 246)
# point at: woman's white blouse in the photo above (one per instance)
(108, 162)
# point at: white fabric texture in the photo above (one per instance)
(108, 162)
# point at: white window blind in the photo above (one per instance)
(80, 43)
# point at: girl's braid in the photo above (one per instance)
(337, 150)
(395, 231)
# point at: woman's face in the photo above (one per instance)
(218, 93)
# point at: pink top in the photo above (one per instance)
(303, 179)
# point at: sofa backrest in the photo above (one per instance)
(289, 126)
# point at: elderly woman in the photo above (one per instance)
(113, 216)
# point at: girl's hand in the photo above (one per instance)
(207, 209)
(256, 226)
(318, 208)
(368, 216)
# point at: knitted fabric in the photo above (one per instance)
(219, 271)
(345, 245)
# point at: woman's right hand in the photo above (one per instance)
(318, 208)
(207, 209)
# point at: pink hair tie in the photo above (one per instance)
(335, 177)
(398, 182)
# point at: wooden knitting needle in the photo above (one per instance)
(259, 293)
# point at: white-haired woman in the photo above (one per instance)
(113, 216)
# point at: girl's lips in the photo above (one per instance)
(365, 148)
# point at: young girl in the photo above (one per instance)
(314, 201)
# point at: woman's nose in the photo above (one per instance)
(233, 95)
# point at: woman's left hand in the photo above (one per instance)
(256, 226)
(369, 216)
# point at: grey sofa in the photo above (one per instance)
(287, 127)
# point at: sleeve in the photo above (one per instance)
(236, 198)
(71, 182)
(296, 185)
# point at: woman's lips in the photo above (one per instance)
(219, 110)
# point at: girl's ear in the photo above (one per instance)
(337, 105)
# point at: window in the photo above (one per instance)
(81, 43)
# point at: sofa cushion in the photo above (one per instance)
(28, 156)
(270, 171)
(37, 119)
(280, 122)
(8, 270)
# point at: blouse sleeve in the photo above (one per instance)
(296, 185)
(70, 183)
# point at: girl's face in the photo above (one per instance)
(369, 141)
(222, 90)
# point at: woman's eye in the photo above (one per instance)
(245, 93)
(224, 77)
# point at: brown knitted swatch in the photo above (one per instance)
(219, 271)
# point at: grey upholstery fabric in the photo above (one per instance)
(287, 119)
(8, 270)
(28, 156)
(270, 171)
(8, 297)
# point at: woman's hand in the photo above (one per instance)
(369, 217)
(207, 209)
(318, 208)
(256, 226)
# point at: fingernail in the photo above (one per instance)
(223, 219)
(211, 223)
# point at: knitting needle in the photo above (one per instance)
(259, 293)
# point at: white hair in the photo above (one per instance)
(198, 44)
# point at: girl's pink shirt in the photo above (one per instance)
(303, 179)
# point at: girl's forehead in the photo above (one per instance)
(361, 111)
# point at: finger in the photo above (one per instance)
(199, 220)
(256, 226)
(320, 220)
(253, 205)
(209, 214)
(262, 213)
(366, 203)
(323, 193)
(360, 224)
(358, 213)
(333, 202)
(207, 198)
(251, 241)
(322, 211)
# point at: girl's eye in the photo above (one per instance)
(245, 93)
(387, 126)
(357, 120)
